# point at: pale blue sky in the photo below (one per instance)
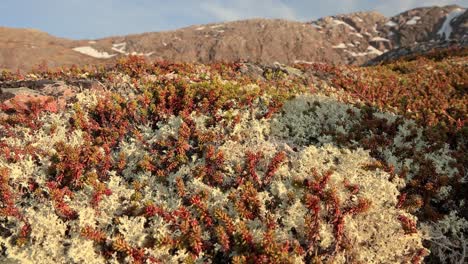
(79, 19)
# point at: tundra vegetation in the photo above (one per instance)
(191, 163)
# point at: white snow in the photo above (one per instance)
(119, 47)
(391, 24)
(374, 28)
(303, 61)
(141, 53)
(413, 20)
(356, 54)
(340, 22)
(380, 39)
(138, 53)
(446, 29)
(356, 34)
(339, 46)
(90, 51)
(121, 44)
(372, 50)
(315, 25)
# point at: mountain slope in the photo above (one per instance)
(25, 48)
(343, 39)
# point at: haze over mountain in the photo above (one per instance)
(353, 38)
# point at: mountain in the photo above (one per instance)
(25, 48)
(342, 39)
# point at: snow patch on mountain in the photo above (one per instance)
(315, 25)
(369, 51)
(303, 61)
(217, 26)
(391, 24)
(413, 20)
(372, 50)
(90, 51)
(340, 22)
(357, 34)
(121, 48)
(446, 29)
(339, 46)
(380, 39)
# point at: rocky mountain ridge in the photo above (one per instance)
(342, 39)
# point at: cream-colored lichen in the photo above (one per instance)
(133, 229)
(449, 240)
(47, 236)
(309, 118)
(82, 251)
(376, 236)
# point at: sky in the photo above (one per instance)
(91, 19)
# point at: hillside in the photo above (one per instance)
(239, 162)
(26, 48)
(342, 39)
